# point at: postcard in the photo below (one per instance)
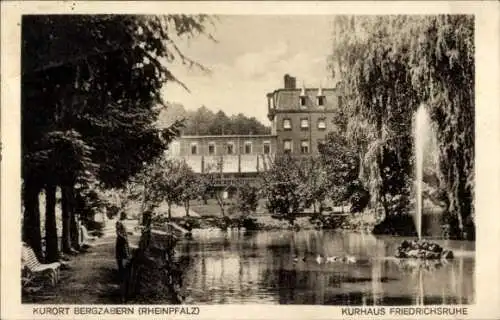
(250, 160)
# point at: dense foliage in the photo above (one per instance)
(203, 121)
(285, 189)
(248, 198)
(314, 183)
(389, 66)
(340, 161)
(164, 180)
(90, 99)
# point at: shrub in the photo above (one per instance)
(249, 223)
(396, 224)
(331, 221)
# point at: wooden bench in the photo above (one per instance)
(37, 270)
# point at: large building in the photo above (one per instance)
(227, 154)
(300, 119)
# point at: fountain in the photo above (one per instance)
(421, 249)
(422, 132)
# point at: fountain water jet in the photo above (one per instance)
(422, 134)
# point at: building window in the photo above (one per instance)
(267, 147)
(304, 123)
(211, 148)
(194, 148)
(321, 100)
(287, 124)
(230, 148)
(248, 147)
(287, 146)
(303, 102)
(304, 146)
(322, 124)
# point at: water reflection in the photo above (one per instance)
(260, 267)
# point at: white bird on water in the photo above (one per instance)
(319, 259)
(347, 259)
(331, 259)
(350, 259)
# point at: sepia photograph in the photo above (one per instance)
(168, 159)
(179, 160)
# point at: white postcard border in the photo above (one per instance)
(487, 142)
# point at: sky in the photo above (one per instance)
(249, 59)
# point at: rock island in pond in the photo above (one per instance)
(422, 249)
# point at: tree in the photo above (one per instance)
(341, 162)
(390, 66)
(199, 123)
(163, 181)
(210, 180)
(220, 124)
(191, 187)
(284, 189)
(241, 124)
(314, 183)
(248, 198)
(204, 122)
(172, 113)
(58, 159)
(101, 77)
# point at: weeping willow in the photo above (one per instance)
(389, 65)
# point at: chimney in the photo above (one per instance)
(290, 82)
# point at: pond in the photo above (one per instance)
(260, 267)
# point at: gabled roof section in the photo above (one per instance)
(289, 99)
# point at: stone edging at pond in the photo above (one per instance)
(356, 222)
(267, 222)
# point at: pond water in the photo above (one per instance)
(238, 268)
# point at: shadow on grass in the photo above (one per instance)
(110, 292)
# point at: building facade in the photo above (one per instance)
(300, 119)
(235, 157)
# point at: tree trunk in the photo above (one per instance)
(169, 210)
(66, 220)
(51, 245)
(186, 205)
(75, 231)
(146, 219)
(31, 225)
(382, 190)
(221, 204)
(74, 226)
(460, 222)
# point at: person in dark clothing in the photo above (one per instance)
(123, 259)
(122, 249)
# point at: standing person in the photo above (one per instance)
(122, 249)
